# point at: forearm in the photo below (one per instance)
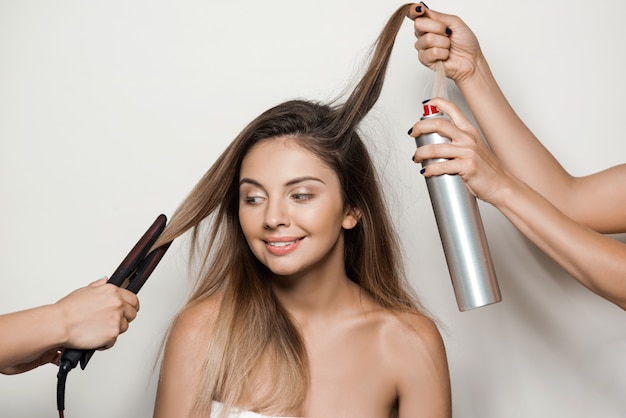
(27, 334)
(596, 261)
(519, 151)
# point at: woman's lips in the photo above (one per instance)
(282, 246)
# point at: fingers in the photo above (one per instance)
(433, 41)
(417, 10)
(130, 299)
(427, 24)
(129, 312)
(438, 152)
(95, 315)
(99, 282)
(124, 302)
(124, 325)
(453, 165)
(432, 48)
(458, 128)
(129, 309)
(450, 159)
(441, 37)
(455, 114)
(109, 344)
(52, 356)
(422, 10)
(427, 20)
(458, 156)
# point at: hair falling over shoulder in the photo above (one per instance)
(252, 332)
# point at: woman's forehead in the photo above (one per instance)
(278, 159)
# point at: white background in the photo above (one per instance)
(110, 111)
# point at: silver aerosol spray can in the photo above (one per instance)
(461, 231)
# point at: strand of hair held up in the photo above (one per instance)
(440, 86)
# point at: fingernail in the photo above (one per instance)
(413, 158)
(425, 5)
(426, 101)
(422, 171)
(448, 31)
(410, 131)
(418, 9)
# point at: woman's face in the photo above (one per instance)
(291, 209)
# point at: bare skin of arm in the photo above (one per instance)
(597, 200)
(87, 318)
(596, 261)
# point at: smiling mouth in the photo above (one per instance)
(283, 247)
(281, 243)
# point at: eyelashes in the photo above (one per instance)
(252, 200)
(302, 197)
(297, 197)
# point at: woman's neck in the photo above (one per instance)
(319, 296)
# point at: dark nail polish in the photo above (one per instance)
(413, 158)
(425, 5)
(448, 31)
(426, 101)
(410, 131)
(422, 171)
(418, 9)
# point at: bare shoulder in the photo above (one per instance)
(409, 333)
(416, 359)
(192, 329)
(421, 327)
(182, 358)
(407, 342)
(413, 334)
(196, 317)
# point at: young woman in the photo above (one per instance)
(301, 307)
(563, 215)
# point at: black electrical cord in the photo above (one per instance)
(69, 360)
(61, 378)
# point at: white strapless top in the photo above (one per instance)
(216, 408)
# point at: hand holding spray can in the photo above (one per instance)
(461, 231)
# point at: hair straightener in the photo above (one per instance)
(131, 274)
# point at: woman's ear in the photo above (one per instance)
(351, 218)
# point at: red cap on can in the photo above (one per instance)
(430, 110)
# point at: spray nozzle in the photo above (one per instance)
(430, 109)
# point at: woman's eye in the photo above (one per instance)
(252, 200)
(301, 197)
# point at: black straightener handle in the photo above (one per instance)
(131, 274)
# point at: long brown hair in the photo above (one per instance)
(251, 323)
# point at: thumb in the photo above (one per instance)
(456, 115)
(417, 10)
(421, 10)
(99, 282)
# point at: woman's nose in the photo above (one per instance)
(276, 214)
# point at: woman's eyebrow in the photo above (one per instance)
(247, 180)
(303, 179)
